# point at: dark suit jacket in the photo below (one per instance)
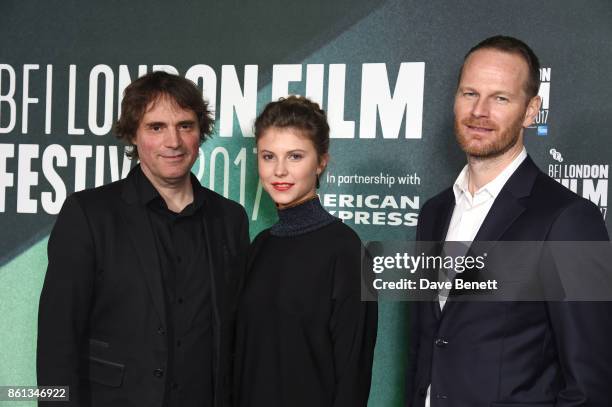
(101, 327)
(477, 354)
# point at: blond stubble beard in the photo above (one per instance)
(507, 140)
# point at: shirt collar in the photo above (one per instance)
(147, 192)
(494, 187)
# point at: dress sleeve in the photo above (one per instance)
(353, 327)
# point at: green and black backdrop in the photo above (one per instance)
(384, 70)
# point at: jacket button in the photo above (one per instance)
(161, 330)
(441, 342)
(158, 373)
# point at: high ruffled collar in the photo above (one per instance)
(303, 218)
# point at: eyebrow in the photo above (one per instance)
(155, 124)
(297, 150)
(161, 124)
(494, 93)
(464, 88)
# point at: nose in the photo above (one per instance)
(480, 108)
(280, 169)
(173, 138)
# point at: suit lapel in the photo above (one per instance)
(214, 240)
(213, 225)
(506, 209)
(443, 220)
(509, 204)
(439, 235)
(142, 236)
(502, 214)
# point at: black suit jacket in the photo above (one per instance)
(477, 354)
(101, 325)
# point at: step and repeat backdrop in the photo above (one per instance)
(385, 72)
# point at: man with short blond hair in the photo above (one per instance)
(530, 353)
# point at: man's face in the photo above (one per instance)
(491, 106)
(168, 140)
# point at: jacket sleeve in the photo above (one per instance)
(65, 303)
(353, 326)
(582, 329)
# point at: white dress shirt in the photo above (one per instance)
(471, 210)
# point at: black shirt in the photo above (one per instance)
(180, 248)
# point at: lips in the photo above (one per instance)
(282, 186)
(480, 126)
(479, 129)
(173, 156)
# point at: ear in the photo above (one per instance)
(323, 160)
(533, 108)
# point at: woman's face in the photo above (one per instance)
(288, 165)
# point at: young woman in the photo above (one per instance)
(304, 337)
